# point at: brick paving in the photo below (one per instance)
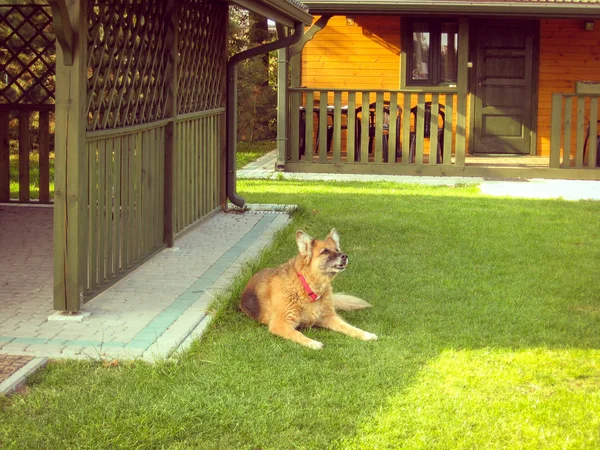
(9, 364)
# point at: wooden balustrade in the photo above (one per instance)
(29, 129)
(574, 131)
(373, 127)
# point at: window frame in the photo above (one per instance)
(435, 54)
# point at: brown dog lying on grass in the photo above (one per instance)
(298, 293)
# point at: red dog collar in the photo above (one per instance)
(313, 297)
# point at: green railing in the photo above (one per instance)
(125, 199)
(26, 153)
(574, 131)
(196, 166)
(362, 127)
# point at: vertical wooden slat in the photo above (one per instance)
(4, 157)
(102, 207)
(144, 192)
(395, 117)
(197, 179)
(294, 125)
(117, 206)
(131, 182)
(433, 127)
(162, 184)
(351, 131)
(580, 129)
(109, 208)
(201, 169)
(364, 128)
(566, 162)
(44, 155)
(406, 129)
(139, 217)
(593, 137)
(309, 127)
(555, 131)
(323, 126)
(337, 127)
(449, 102)
(93, 215)
(168, 185)
(420, 131)
(125, 206)
(378, 157)
(24, 154)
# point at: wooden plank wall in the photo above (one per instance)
(359, 54)
(568, 54)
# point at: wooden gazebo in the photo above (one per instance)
(140, 125)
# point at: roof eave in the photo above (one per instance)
(280, 11)
(507, 9)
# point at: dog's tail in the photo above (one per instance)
(343, 302)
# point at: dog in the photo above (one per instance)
(298, 294)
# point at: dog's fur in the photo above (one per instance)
(277, 298)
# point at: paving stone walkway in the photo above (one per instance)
(148, 314)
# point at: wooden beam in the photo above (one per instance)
(71, 164)
(309, 34)
(63, 29)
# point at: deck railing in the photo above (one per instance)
(400, 128)
(574, 131)
(27, 129)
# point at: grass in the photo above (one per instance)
(34, 175)
(248, 152)
(487, 312)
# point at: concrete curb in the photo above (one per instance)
(19, 378)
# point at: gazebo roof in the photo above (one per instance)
(521, 8)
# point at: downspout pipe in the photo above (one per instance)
(231, 116)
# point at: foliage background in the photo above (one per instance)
(257, 77)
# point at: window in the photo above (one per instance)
(431, 52)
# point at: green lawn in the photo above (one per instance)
(34, 175)
(487, 312)
(248, 152)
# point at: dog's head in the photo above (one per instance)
(324, 256)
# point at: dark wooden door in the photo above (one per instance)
(504, 87)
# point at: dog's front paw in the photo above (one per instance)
(315, 345)
(369, 336)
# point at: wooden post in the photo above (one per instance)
(282, 104)
(222, 183)
(462, 88)
(171, 128)
(70, 195)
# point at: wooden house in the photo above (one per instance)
(484, 88)
(130, 108)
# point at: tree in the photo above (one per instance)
(257, 96)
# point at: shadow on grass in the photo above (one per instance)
(486, 309)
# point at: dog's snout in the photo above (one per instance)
(344, 257)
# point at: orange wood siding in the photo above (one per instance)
(567, 54)
(363, 55)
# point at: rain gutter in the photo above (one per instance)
(231, 116)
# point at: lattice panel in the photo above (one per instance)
(128, 62)
(27, 55)
(202, 46)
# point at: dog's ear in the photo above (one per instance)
(305, 243)
(335, 236)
